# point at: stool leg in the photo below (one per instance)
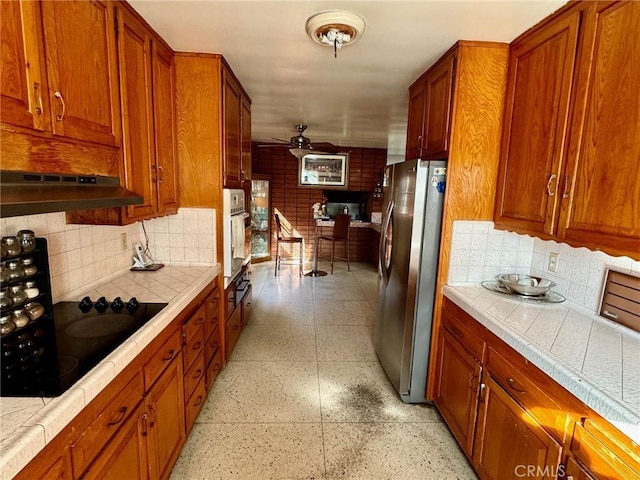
(301, 254)
(333, 253)
(348, 261)
(275, 273)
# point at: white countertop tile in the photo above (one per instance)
(593, 358)
(28, 424)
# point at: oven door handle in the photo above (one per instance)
(244, 287)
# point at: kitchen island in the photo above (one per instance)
(29, 424)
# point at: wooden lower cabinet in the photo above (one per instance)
(458, 390)
(126, 454)
(164, 405)
(515, 421)
(233, 330)
(54, 465)
(509, 442)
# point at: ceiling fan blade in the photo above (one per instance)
(282, 140)
(271, 145)
(325, 147)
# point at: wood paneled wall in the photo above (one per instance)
(366, 166)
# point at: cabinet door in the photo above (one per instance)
(164, 114)
(438, 112)
(23, 88)
(246, 139)
(233, 330)
(246, 307)
(232, 97)
(79, 39)
(573, 471)
(602, 204)
(457, 390)
(541, 68)
(51, 466)
(415, 124)
(165, 417)
(509, 443)
(125, 456)
(134, 52)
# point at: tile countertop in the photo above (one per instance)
(28, 424)
(593, 358)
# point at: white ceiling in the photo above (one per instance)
(358, 99)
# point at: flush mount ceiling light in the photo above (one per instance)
(335, 29)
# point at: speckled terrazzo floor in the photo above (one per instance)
(304, 397)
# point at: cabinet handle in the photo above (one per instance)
(169, 355)
(198, 401)
(36, 87)
(199, 321)
(512, 384)
(152, 422)
(160, 173)
(235, 327)
(482, 387)
(144, 425)
(216, 367)
(551, 179)
(456, 331)
(198, 374)
(60, 116)
(154, 174)
(565, 190)
(197, 346)
(123, 411)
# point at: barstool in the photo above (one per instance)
(340, 234)
(280, 238)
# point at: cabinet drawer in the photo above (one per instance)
(193, 332)
(194, 375)
(601, 462)
(519, 380)
(212, 345)
(106, 425)
(194, 404)
(469, 334)
(161, 359)
(246, 306)
(212, 313)
(233, 330)
(215, 365)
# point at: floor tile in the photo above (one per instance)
(284, 343)
(282, 313)
(257, 451)
(327, 312)
(264, 392)
(331, 293)
(361, 392)
(380, 451)
(345, 343)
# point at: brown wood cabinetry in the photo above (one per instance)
(514, 421)
(457, 390)
(148, 125)
(23, 90)
(536, 121)
(84, 101)
(164, 410)
(246, 306)
(193, 348)
(430, 104)
(233, 330)
(210, 156)
(509, 440)
(245, 117)
(569, 160)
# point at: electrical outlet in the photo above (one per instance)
(553, 262)
(123, 241)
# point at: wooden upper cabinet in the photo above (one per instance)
(541, 69)
(438, 112)
(232, 102)
(134, 52)
(80, 45)
(602, 204)
(164, 114)
(245, 116)
(415, 124)
(23, 88)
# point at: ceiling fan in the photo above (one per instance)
(299, 145)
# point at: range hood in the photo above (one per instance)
(28, 193)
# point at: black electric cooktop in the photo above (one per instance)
(47, 358)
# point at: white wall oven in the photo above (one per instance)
(236, 234)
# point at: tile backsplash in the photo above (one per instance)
(78, 254)
(187, 238)
(480, 252)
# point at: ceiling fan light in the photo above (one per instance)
(335, 28)
(299, 152)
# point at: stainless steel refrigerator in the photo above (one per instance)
(407, 269)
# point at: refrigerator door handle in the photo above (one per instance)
(387, 246)
(383, 241)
